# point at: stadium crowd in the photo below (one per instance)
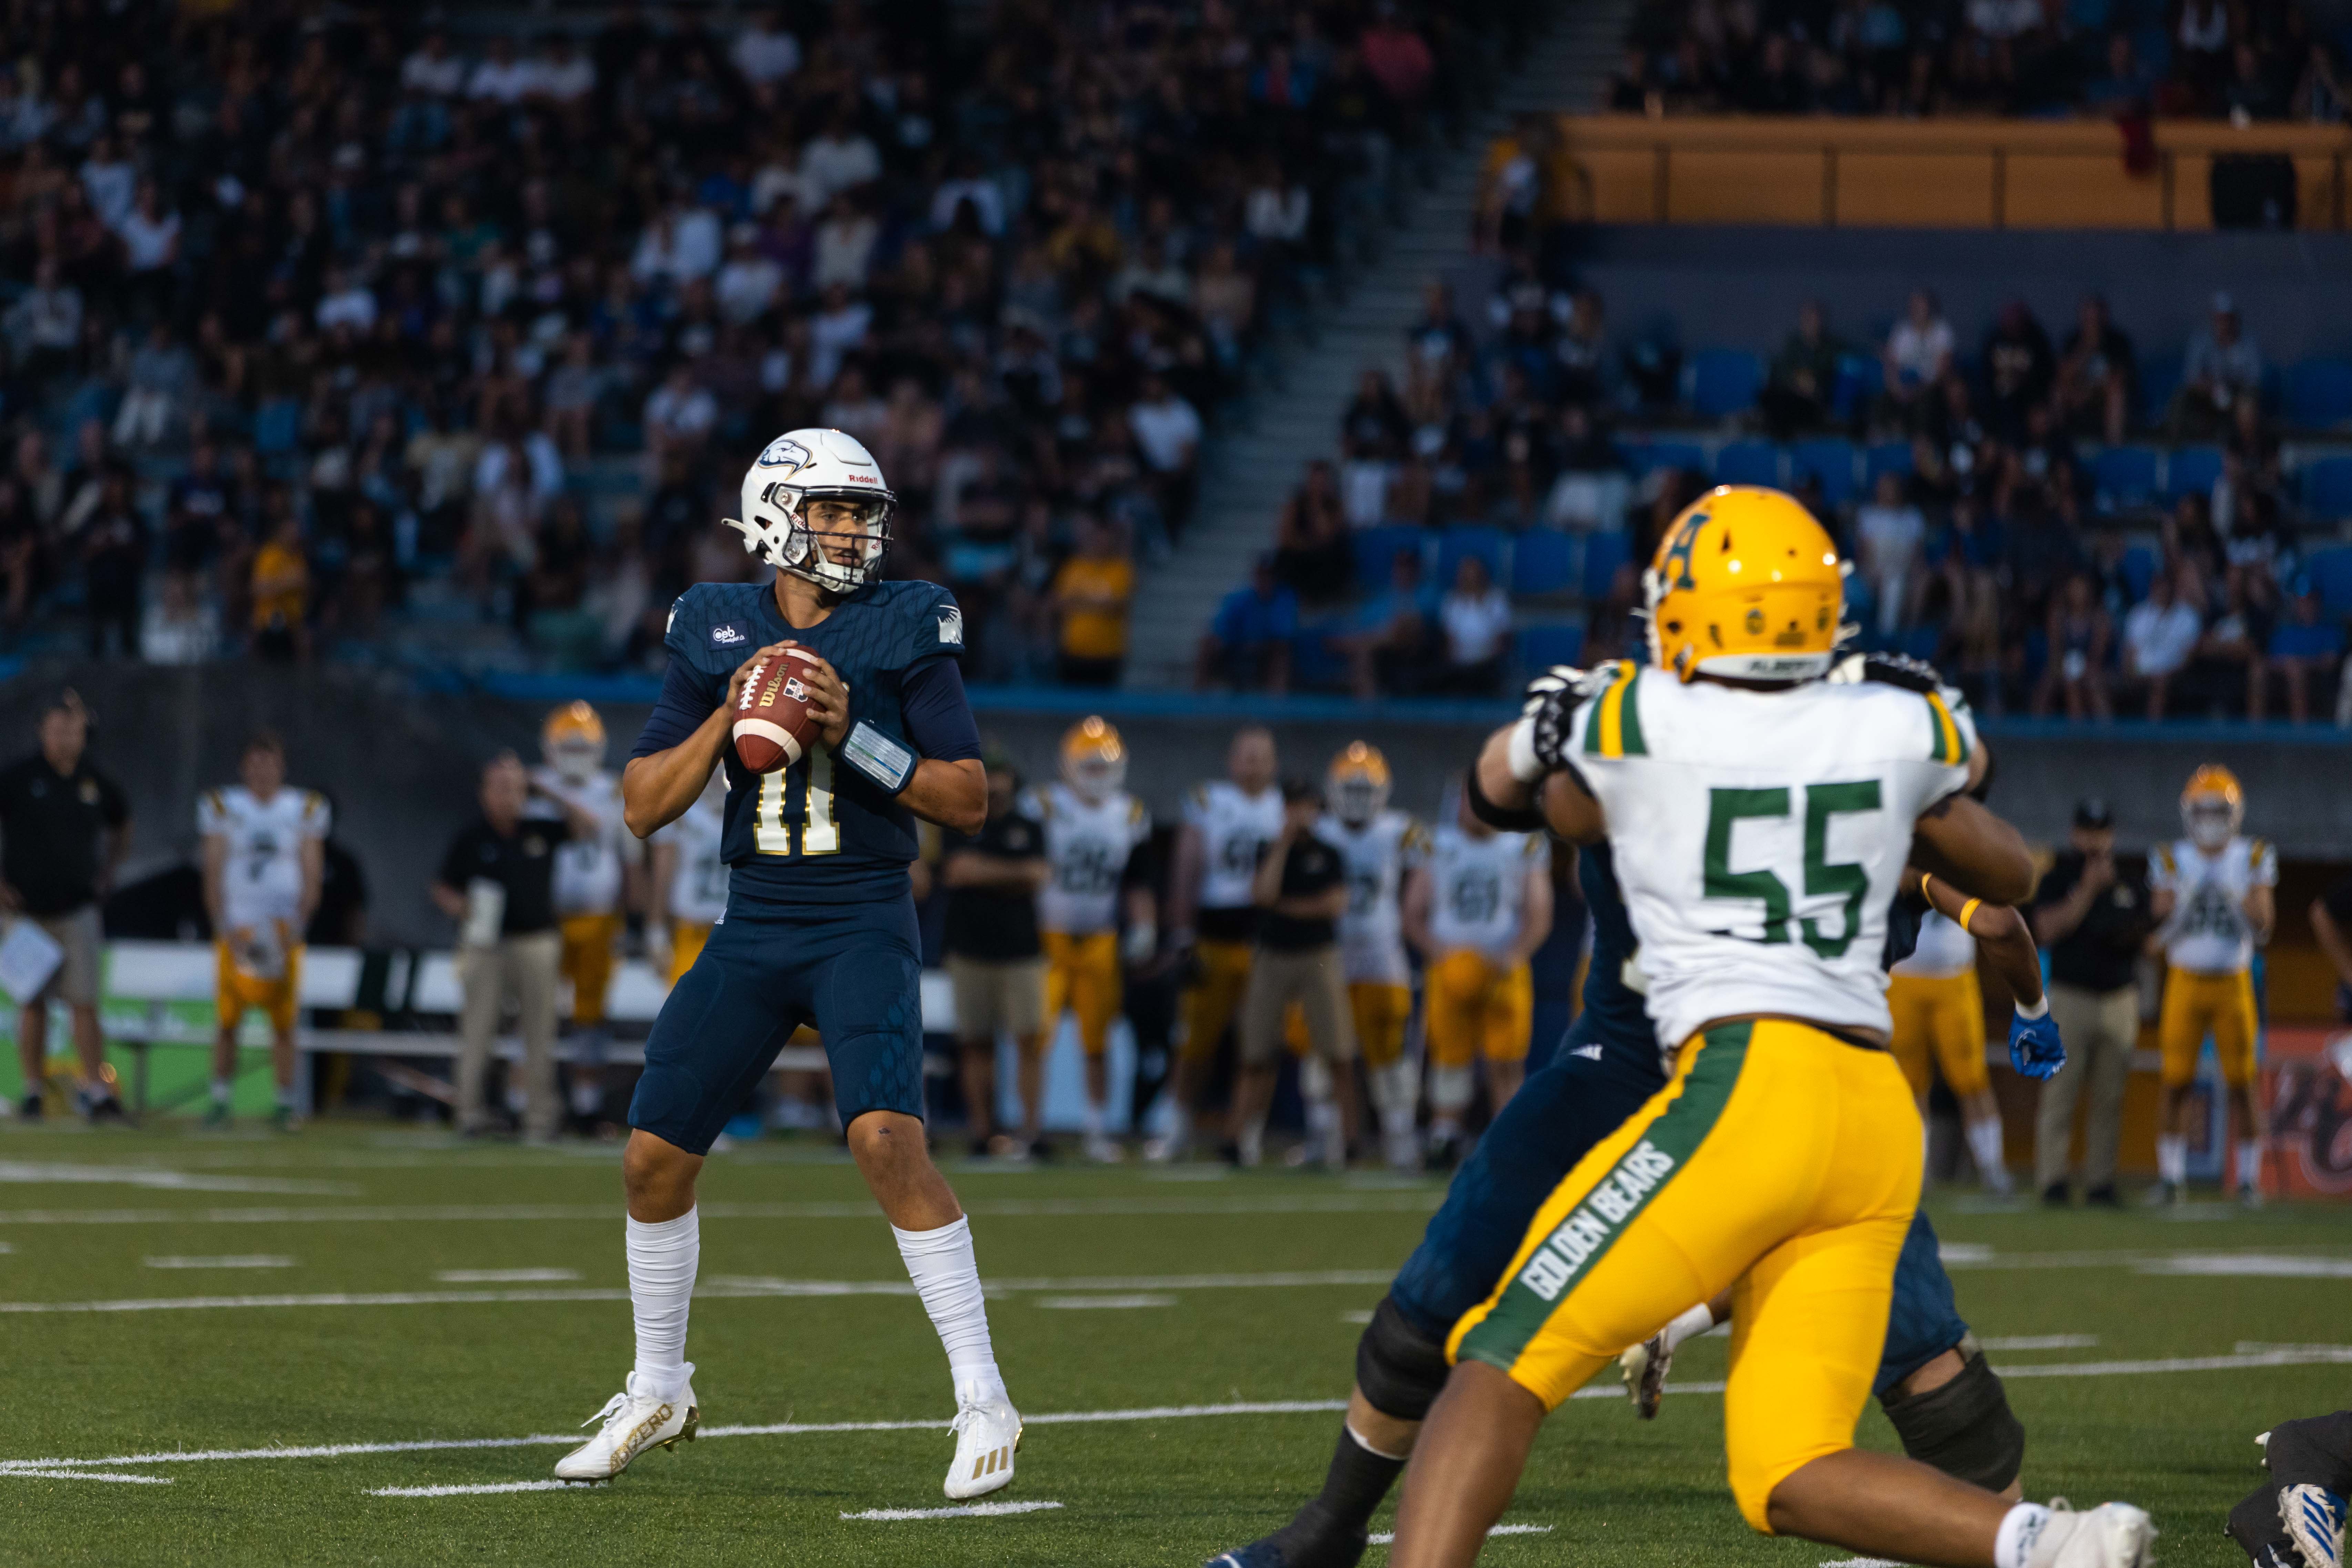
(320, 320)
(2124, 58)
(2001, 500)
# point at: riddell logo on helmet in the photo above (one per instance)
(865, 478)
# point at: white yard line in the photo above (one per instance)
(238, 1260)
(1372, 1202)
(506, 1276)
(1102, 1303)
(963, 1510)
(2039, 1343)
(474, 1492)
(2250, 1266)
(29, 1172)
(90, 1476)
(1387, 1538)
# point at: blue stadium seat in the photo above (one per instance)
(2319, 394)
(1885, 458)
(1543, 561)
(2125, 477)
(276, 426)
(1541, 646)
(1830, 460)
(2159, 378)
(1377, 547)
(1858, 378)
(1658, 455)
(1724, 382)
(1921, 642)
(2140, 564)
(2192, 470)
(1748, 463)
(1488, 544)
(1603, 553)
(2331, 573)
(2327, 487)
(1312, 661)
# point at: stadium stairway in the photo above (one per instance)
(1247, 472)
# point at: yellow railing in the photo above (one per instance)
(1925, 173)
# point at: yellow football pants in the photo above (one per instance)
(1082, 976)
(1779, 1158)
(588, 962)
(1215, 997)
(1381, 1011)
(1942, 1018)
(1478, 1008)
(235, 990)
(686, 941)
(2195, 1003)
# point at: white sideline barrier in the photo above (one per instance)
(162, 974)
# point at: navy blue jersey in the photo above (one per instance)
(814, 834)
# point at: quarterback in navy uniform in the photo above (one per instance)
(1947, 1405)
(819, 926)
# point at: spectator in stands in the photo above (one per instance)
(2223, 366)
(2075, 667)
(1888, 533)
(1917, 358)
(63, 827)
(2201, 45)
(2159, 636)
(1168, 432)
(1091, 596)
(2126, 84)
(1387, 644)
(1803, 378)
(2096, 375)
(2255, 91)
(1475, 617)
(1247, 646)
(2018, 365)
(282, 590)
(2319, 91)
(2306, 642)
(111, 543)
(1312, 553)
(2231, 653)
(497, 883)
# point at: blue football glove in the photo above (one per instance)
(2034, 1048)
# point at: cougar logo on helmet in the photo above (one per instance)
(784, 453)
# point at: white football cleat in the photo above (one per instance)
(1645, 1366)
(2314, 1518)
(2112, 1535)
(1104, 1149)
(632, 1423)
(988, 1434)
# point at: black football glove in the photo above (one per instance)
(1887, 670)
(1549, 710)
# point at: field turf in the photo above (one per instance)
(172, 1293)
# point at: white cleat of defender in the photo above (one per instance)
(988, 1434)
(632, 1423)
(2112, 1535)
(1645, 1366)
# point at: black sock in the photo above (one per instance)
(1358, 1481)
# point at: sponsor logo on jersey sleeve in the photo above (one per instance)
(728, 633)
(951, 626)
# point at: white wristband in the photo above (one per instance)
(2039, 1010)
(1523, 764)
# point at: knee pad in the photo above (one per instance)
(1399, 1368)
(1964, 1428)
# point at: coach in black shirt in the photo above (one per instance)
(64, 827)
(1300, 891)
(497, 883)
(2091, 918)
(994, 960)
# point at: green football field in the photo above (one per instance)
(245, 1349)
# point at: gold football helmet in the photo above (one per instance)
(1358, 784)
(1746, 584)
(2212, 806)
(1094, 760)
(573, 740)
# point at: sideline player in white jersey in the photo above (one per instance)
(1940, 1019)
(1759, 818)
(265, 857)
(2214, 896)
(1378, 846)
(686, 889)
(595, 881)
(1477, 913)
(1093, 828)
(1227, 822)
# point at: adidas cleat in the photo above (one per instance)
(987, 1436)
(2112, 1535)
(1645, 1366)
(630, 1424)
(2314, 1518)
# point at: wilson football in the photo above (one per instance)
(772, 726)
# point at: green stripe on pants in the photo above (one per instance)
(1585, 1235)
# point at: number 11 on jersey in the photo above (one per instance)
(771, 821)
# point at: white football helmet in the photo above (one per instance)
(804, 466)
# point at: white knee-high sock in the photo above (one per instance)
(1984, 1147)
(2172, 1158)
(2250, 1163)
(662, 1259)
(947, 1277)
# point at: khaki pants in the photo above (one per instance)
(1318, 981)
(524, 967)
(2099, 1028)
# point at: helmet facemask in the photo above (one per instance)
(1356, 799)
(575, 758)
(834, 538)
(1096, 776)
(2211, 820)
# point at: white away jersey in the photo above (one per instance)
(1944, 950)
(261, 881)
(1233, 828)
(1376, 856)
(587, 870)
(2210, 933)
(697, 883)
(1759, 836)
(1478, 886)
(1087, 847)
